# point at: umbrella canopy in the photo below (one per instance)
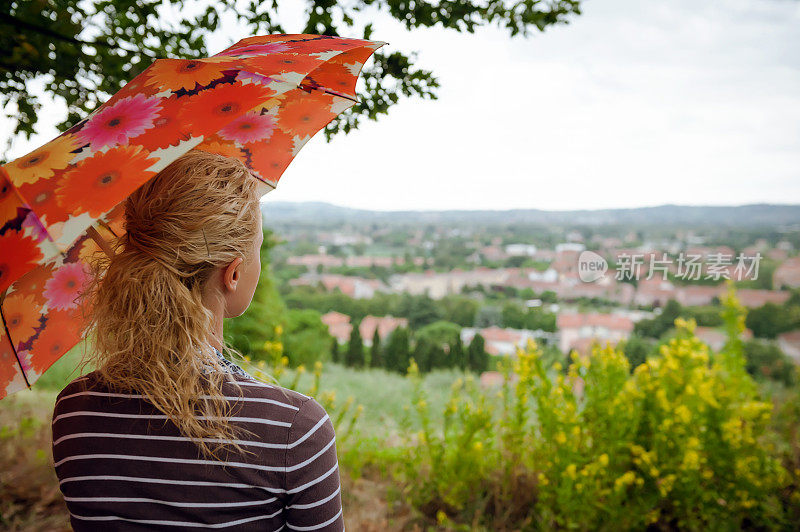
(259, 101)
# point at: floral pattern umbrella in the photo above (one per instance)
(259, 101)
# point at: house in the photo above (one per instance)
(339, 325)
(716, 338)
(698, 295)
(654, 292)
(385, 325)
(312, 261)
(789, 342)
(577, 330)
(753, 298)
(504, 341)
(349, 285)
(787, 275)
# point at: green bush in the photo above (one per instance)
(682, 442)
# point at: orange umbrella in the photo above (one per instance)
(259, 101)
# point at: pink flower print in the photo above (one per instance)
(33, 221)
(256, 49)
(24, 358)
(251, 127)
(253, 77)
(65, 285)
(128, 118)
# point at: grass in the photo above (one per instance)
(382, 393)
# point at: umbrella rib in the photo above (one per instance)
(11, 342)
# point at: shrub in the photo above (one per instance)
(681, 442)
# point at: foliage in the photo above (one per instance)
(84, 51)
(656, 327)
(683, 443)
(398, 350)
(765, 360)
(307, 339)
(354, 355)
(420, 310)
(636, 349)
(532, 318)
(770, 319)
(477, 357)
(376, 351)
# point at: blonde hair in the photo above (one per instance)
(150, 329)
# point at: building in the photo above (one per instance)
(385, 325)
(576, 331)
(505, 341)
(349, 285)
(789, 343)
(716, 338)
(787, 275)
(339, 325)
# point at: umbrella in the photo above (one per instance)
(259, 101)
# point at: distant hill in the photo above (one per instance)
(744, 215)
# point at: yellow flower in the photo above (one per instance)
(571, 471)
(478, 446)
(543, 479)
(603, 459)
(561, 437)
(42, 162)
(683, 414)
(625, 480)
(690, 460)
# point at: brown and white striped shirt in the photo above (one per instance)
(122, 465)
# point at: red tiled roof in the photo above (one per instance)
(609, 321)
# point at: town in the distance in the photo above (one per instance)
(444, 278)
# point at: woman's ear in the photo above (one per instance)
(230, 276)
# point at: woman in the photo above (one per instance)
(166, 433)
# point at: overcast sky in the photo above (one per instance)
(631, 104)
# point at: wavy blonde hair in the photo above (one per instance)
(149, 326)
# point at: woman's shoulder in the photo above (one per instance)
(79, 384)
(306, 408)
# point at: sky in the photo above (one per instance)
(631, 104)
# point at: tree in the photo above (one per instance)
(442, 335)
(766, 360)
(84, 51)
(488, 316)
(636, 350)
(419, 310)
(458, 357)
(306, 339)
(335, 350)
(656, 327)
(375, 355)
(398, 353)
(427, 353)
(770, 320)
(477, 357)
(354, 356)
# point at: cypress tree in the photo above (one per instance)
(335, 350)
(354, 357)
(477, 357)
(375, 358)
(397, 355)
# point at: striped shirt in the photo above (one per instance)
(122, 465)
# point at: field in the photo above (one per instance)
(29, 494)
(685, 441)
